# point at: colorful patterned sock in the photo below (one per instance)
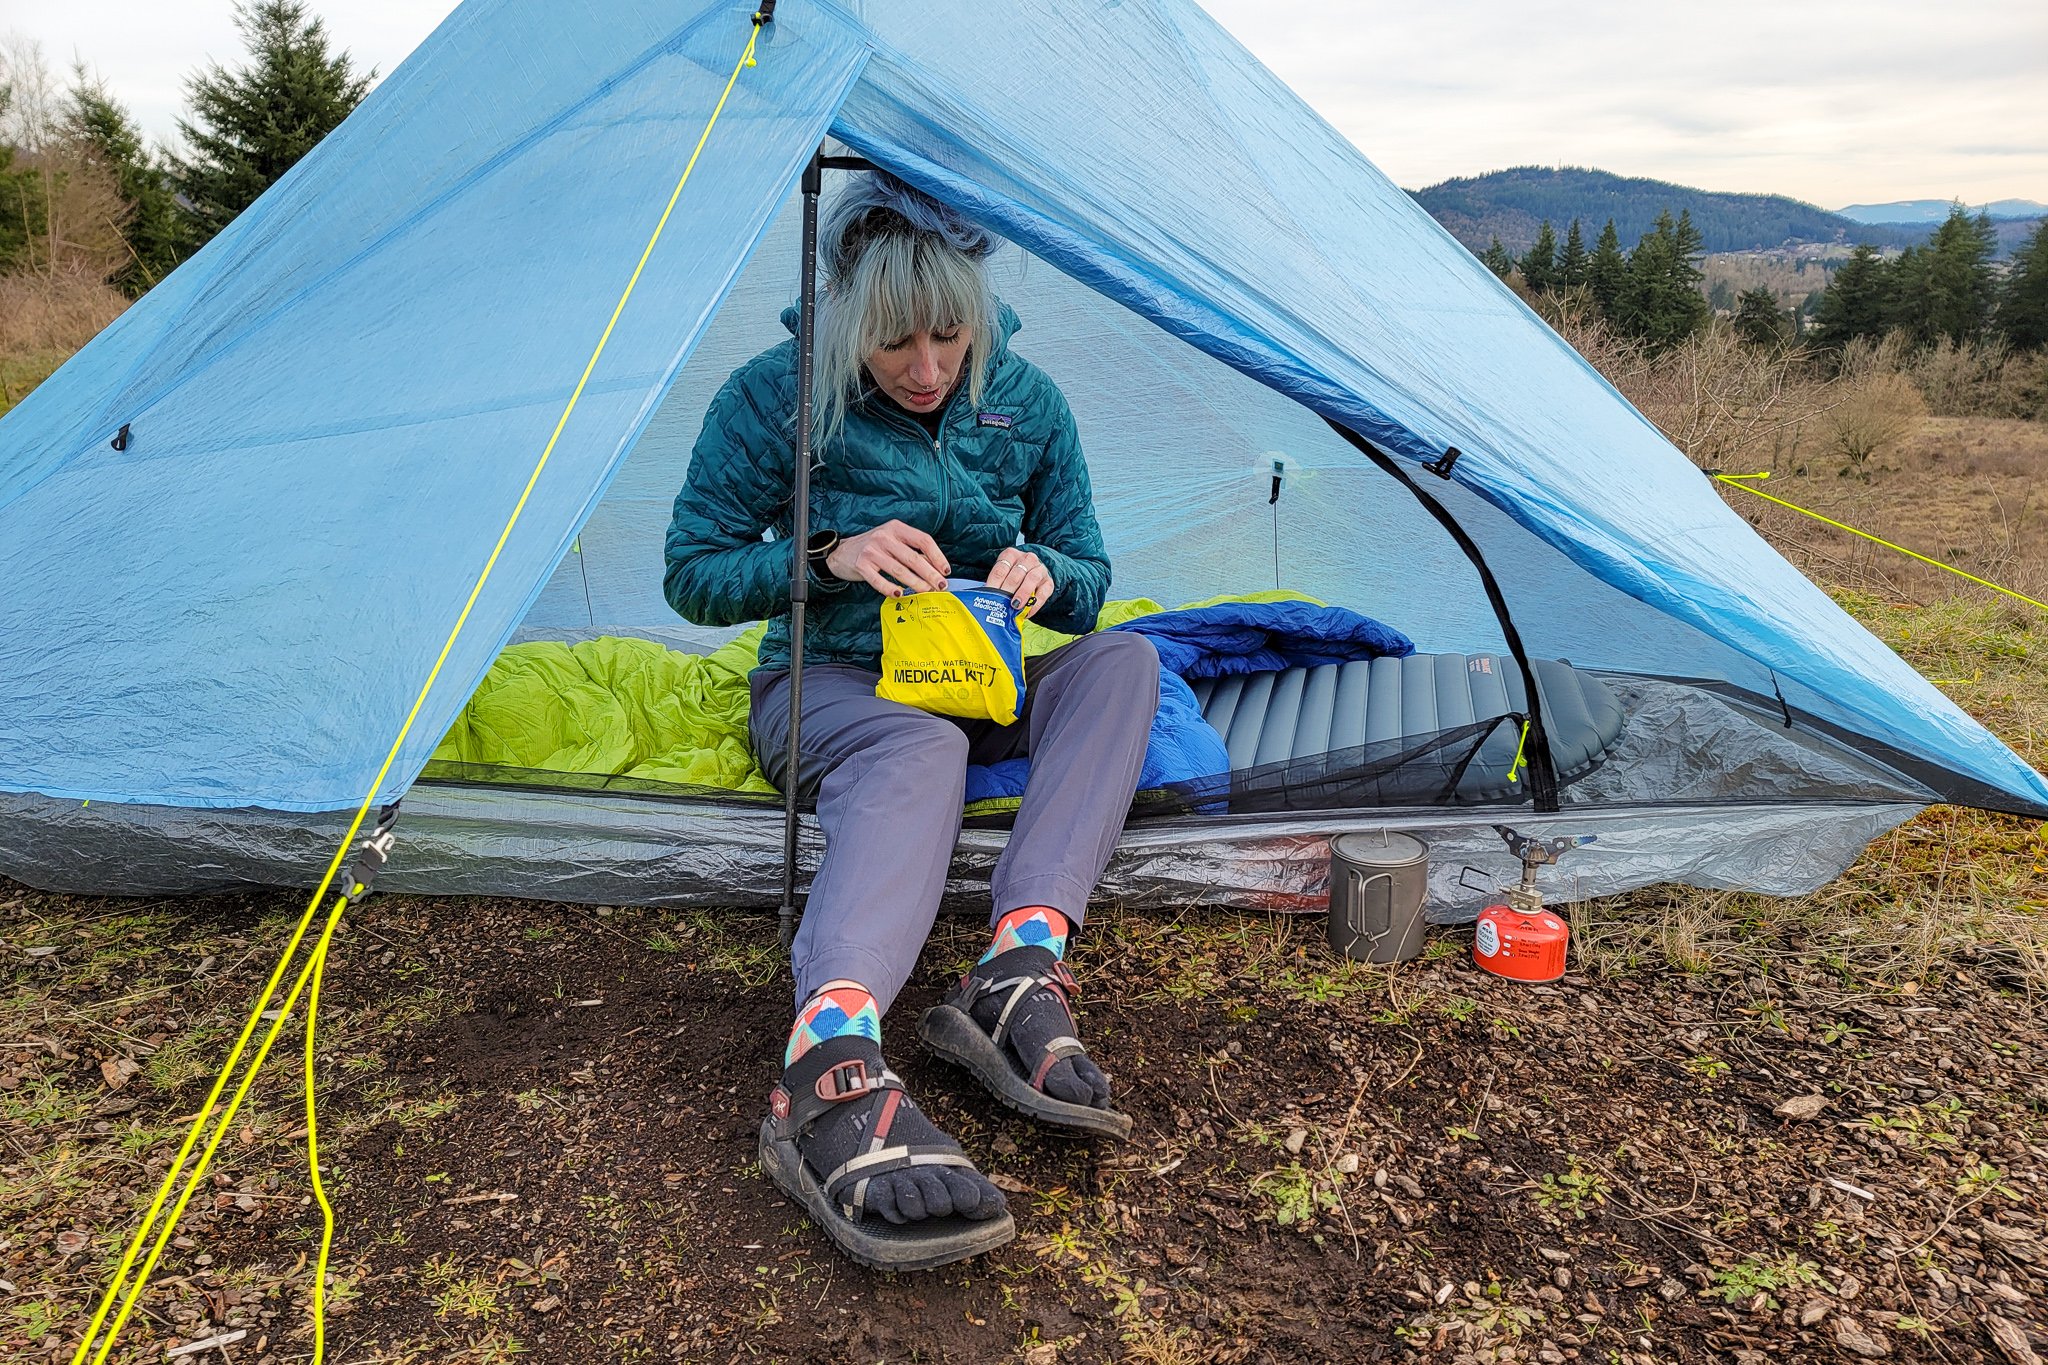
(832, 1013)
(1030, 924)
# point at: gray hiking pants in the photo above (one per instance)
(889, 781)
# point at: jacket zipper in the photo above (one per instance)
(939, 454)
(938, 450)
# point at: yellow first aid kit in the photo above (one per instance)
(954, 653)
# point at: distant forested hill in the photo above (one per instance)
(1512, 204)
(1932, 211)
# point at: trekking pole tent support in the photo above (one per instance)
(800, 515)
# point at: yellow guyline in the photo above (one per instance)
(1741, 481)
(311, 972)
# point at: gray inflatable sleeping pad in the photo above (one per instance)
(1375, 704)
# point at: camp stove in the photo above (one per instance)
(1521, 940)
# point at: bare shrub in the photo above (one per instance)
(1952, 378)
(82, 213)
(1723, 400)
(74, 218)
(54, 310)
(1873, 412)
(1622, 361)
(1865, 356)
(56, 296)
(1981, 379)
(2024, 385)
(31, 114)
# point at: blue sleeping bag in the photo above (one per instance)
(1214, 642)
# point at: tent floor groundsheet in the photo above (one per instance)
(651, 850)
(1694, 788)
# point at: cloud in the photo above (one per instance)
(1833, 101)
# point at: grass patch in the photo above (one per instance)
(1770, 1277)
(43, 1102)
(23, 371)
(1294, 1194)
(471, 1298)
(193, 1055)
(754, 962)
(1573, 1194)
(58, 1176)
(1948, 881)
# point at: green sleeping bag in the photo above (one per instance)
(632, 708)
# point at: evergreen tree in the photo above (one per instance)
(1855, 303)
(1648, 265)
(1660, 300)
(1571, 265)
(13, 186)
(1607, 272)
(21, 193)
(1539, 262)
(1496, 259)
(1903, 293)
(1758, 319)
(1953, 293)
(1686, 305)
(154, 229)
(251, 126)
(2023, 312)
(21, 189)
(1691, 246)
(1806, 312)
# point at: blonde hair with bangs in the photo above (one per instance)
(896, 263)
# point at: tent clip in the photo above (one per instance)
(1441, 466)
(372, 853)
(765, 14)
(120, 441)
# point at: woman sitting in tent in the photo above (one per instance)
(941, 452)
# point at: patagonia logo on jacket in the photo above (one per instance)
(993, 419)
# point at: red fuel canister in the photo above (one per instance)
(1525, 945)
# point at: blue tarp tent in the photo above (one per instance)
(213, 632)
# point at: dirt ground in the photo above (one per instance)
(1742, 1130)
(539, 1126)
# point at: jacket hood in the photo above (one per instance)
(1008, 324)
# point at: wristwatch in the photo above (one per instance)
(819, 548)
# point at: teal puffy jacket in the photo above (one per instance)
(1003, 472)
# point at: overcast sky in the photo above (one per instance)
(1833, 101)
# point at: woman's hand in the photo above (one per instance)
(1021, 574)
(893, 559)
